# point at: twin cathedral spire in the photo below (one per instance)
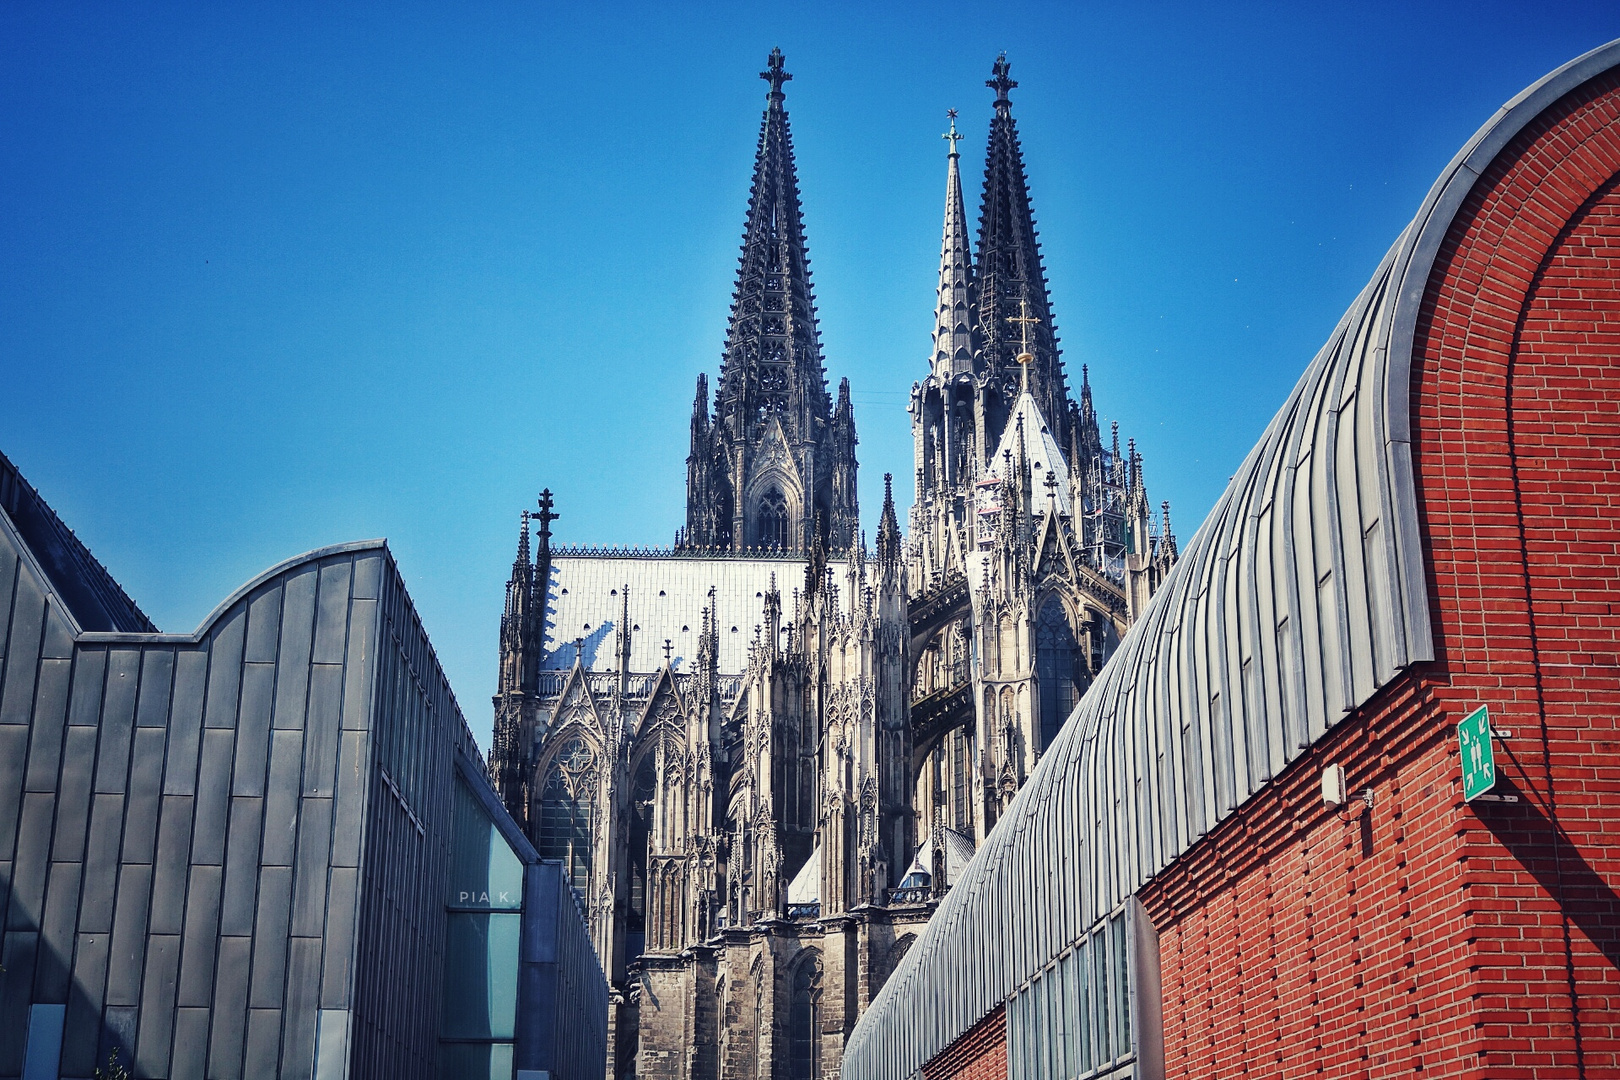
(773, 466)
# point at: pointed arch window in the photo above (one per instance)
(567, 810)
(773, 520)
(642, 799)
(1057, 668)
(804, 1019)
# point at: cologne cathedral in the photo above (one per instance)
(764, 753)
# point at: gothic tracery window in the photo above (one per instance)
(773, 520)
(567, 810)
(804, 1027)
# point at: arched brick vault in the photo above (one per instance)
(1417, 932)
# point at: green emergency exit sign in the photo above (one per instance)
(1478, 755)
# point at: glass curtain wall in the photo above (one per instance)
(485, 916)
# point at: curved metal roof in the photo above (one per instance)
(1302, 593)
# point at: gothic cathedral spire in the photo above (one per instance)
(1009, 270)
(774, 467)
(954, 321)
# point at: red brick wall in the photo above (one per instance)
(1420, 934)
(980, 1054)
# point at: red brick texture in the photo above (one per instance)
(1421, 934)
(980, 1054)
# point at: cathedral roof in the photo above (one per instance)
(1044, 453)
(958, 853)
(667, 598)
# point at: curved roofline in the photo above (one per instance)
(242, 592)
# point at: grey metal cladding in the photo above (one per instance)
(230, 1006)
(89, 668)
(321, 729)
(297, 632)
(242, 866)
(101, 864)
(281, 798)
(301, 1009)
(170, 867)
(50, 717)
(190, 1044)
(1301, 594)
(73, 794)
(310, 870)
(52, 975)
(201, 933)
(253, 728)
(23, 650)
(213, 797)
(117, 719)
(332, 611)
(157, 1006)
(342, 912)
(263, 624)
(225, 669)
(157, 679)
(270, 935)
(185, 721)
(129, 935)
(32, 861)
(83, 1034)
(13, 759)
(141, 807)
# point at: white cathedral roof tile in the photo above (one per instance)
(667, 597)
(1044, 453)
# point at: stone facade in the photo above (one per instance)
(765, 752)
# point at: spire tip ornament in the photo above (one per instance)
(775, 73)
(1001, 82)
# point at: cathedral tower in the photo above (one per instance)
(774, 465)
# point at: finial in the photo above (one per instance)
(546, 516)
(669, 647)
(775, 74)
(952, 135)
(1001, 83)
(1024, 357)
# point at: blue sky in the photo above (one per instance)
(278, 276)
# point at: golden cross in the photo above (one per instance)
(1024, 357)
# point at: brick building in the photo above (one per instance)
(1427, 527)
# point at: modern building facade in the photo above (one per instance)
(1272, 840)
(765, 752)
(267, 848)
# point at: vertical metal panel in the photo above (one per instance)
(213, 797)
(29, 869)
(349, 802)
(101, 864)
(201, 931)
(332, 612)
(127, 955)
(141, 808)
(157, 680)
(281, 798)
(253, 728)
(50, 717)
(309, 879)
(117, 719)
(230, 1007)
(185, 722)
(241, 887)
(302, 1006)
(358, 668)
(297, 633)
(89, 669)
(190, 1044)
(18, 958)
(263, 1041)
(225, 668)
(83, 1034)
(342, 908)
(270, 936)
(22, 655)
(169, 872)
(263, 625)
(53, 975)
(321, 729)
(157, 1006)
(13, 759)
(73, 794)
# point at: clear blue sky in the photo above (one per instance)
(278, 276)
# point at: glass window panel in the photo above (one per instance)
(475, 1061)
(484, 870)
(480, 975)
(1082, 962)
